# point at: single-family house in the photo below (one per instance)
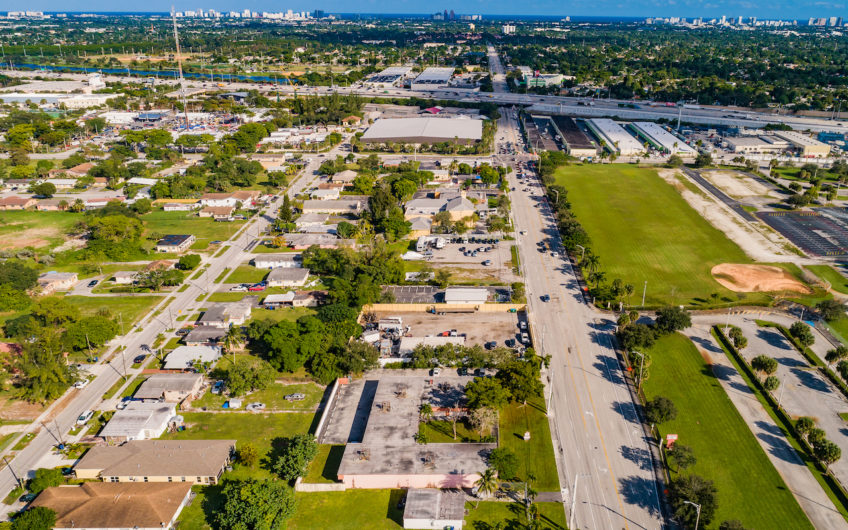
(274, 261)
(420, 226)
(94, 203)
(180, 206)
(80, 170)
(139, 421)
(16, 184)
(224, 315)
(124, 277)
(204, 335)
(17, 203)
(175, 243)
(62, 184)
(345, 177)
(219, 213)
(325, 195)
(171, 388)
(53, 281)
(287, 277)
(50, 205)
(311, 219)
(109, 505)
(192, 461)
(337, 206)
(184, 357)
(275, 301)
(245, 198)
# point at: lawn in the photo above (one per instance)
(536, 456)
(643, 230)
(273, 397)
(257, 429)
(442, 432)
(205, 229)
(837, 282)
(749, 487)
(290, 313)
(19, 229)
(325, 467)
(511, 515)
(247, 274)
(840, 329)
(371, 509)
(130, 308)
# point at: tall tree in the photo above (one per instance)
(255, 505)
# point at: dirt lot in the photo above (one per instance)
(479, 328)
(757, 278)
(737, 185)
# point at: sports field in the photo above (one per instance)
(643, 230)
(749, 487)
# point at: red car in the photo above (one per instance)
(257, 287)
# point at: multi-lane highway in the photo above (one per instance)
(605, 464)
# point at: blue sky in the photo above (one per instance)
(785, 9)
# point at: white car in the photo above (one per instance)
(81, 384)
(255, 407)
(84, 417)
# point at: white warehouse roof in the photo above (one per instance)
(615, 136)
(424, 130)
(661, 138)
(435, 75)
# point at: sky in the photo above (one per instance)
(782, 9)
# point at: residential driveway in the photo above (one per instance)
(804, 391)
(810, 495)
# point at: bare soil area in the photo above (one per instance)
(757, 279)
(34, 237)
(478, 328)
(737, 185)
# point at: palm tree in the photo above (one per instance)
(487, 484)
(628, 290)
(426, 411)
(233, 340)
(593, 262)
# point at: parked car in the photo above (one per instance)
(139, 358)
(436, 371)
(92, 283)
(182, 332)
(238, 288)
(255, 407)
(487, 263)
(27, 498)
(525, 338)
(82, 383)
(545, 298)
(217, 387)
(297, 396)
(255, 288)
(84, 417)
(522, 325)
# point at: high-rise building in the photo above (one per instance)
(508, 29)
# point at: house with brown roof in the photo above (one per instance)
(136, 505)
(80, 170)
(171, 388)
(50, 205)
(17, 203)
(195, 461)
(219, 213)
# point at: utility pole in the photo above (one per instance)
(644, 292)
(17, 478)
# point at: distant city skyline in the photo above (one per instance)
(779, 9)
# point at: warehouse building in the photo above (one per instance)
(389, 77)
(433, 77)
(424, 131)
(661, 139)
(576, 143)
(756, 144)
(614, 137)
(805, 145)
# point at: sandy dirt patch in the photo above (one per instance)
(737, 185)
(756, 244)
(478, 328)
(34, 237)
(757, 279)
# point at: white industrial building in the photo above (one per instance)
(70, 101)
(433, 77)
(616, 138)
(424, 130)
(389, 77)
(756, 144)
(661, 139)
(808, 147)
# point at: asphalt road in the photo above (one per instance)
(600, 444)
(78, 401)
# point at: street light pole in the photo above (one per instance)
(644, 292)
(698, 508)
(641, 366)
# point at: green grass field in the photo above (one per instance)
(372, 509)
(643, 230)
(273, 397)
(325, 467)
(749, 487)
(837, 282)
(286, 313)
(130, 308)
(535, 456)
(19, 229)
(246, 274)
(511, 515)
(442, 432)
(205, 229)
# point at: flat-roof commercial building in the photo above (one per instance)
(615, 137)
(661, 139)
(577, 144)
(175, 243)
(139, 421)
(388, 77)
(756, 144)
(424, 131)
(806, 145)
(433, 77)
(432, 508)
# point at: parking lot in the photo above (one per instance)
(479, 328)
(821, 232)
(471, 261)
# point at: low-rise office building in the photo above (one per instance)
(175, 243)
